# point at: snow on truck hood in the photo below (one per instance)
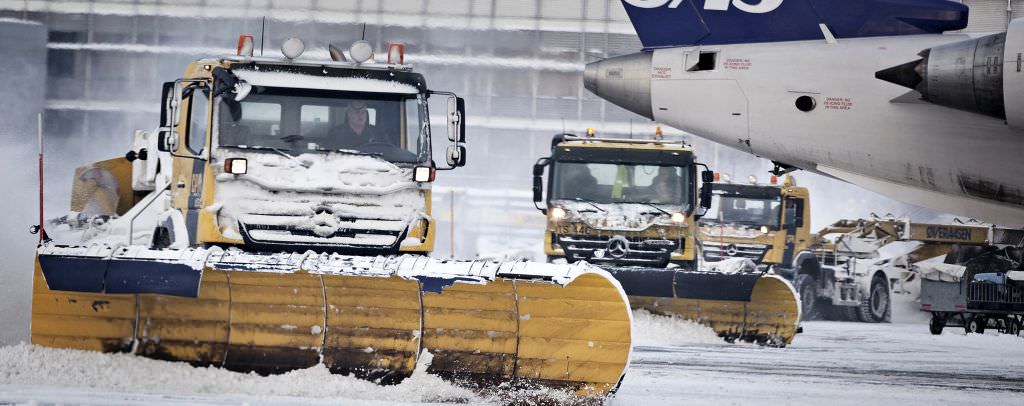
(714, 230)
(322, 193)
(617, 216)
(323, 172)
(298, 80)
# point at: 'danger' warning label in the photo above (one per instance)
(838, 103)
(738, 64)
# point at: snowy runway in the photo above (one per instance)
(834, 363)
(674, 362)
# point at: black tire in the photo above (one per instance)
(937, 324)
(805, 285)
(877, 306)
(1012, 326)
(975, 325)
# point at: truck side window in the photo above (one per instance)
(199, 107)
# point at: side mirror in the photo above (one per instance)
(456, 156)
(707, 176)
(705, 196)
(167, 140)
(456, 119)
(167, 110)
(538, 183)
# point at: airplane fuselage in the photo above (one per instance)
(818, 106)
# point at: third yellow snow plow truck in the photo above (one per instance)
(261, 228)
(630, 206)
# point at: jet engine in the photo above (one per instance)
(982, 75)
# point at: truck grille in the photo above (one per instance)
(717, 251)
(609, 249)
(324, 225)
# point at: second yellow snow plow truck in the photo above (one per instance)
(261, 228)
(630, 206)
(768, 224)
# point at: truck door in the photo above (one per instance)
(187, 184)
(793, 220)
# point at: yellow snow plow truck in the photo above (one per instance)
(768, 224)
(278, 219)
(630, 206)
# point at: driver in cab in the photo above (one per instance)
(357, 129)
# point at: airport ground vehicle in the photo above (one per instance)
(766, 223)
(834, 270)
(251, 232)
(977, 287)
(630, 206)
(863, 262)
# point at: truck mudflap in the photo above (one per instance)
(752, 307)
(483, 323)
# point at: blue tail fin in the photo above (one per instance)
(667, 23)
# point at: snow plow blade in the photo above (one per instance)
(563, 326)
(746, 306)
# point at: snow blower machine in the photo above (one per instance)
(630, 206)
(280, 217)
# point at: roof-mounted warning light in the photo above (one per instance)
(591, 131)
(245, 45)
(361, 51)
(396, 54)
(658, 134)
(775, 180)
(292, 48)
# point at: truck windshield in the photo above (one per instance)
(744, 211)
(300, 120)
(621, 183)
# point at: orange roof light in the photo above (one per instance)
(591, 131)
(245, 45)
(396, 54)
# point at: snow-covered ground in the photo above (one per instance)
(675, 362)
(835, 363)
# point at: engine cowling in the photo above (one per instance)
(982, 75)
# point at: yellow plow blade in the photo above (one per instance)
(745, 306)
(484, 323)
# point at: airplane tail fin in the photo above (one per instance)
(669, 23)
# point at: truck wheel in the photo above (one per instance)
(975, 325)
(936, 325)
(808, 300)
(1012, 326)
(875, 307)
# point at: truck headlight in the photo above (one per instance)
(557, 213)
(678, 218)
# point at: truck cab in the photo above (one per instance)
(766, 223)
(619, 202)
(285, 154)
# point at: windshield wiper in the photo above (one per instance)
(590, 202)
(655, 207)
